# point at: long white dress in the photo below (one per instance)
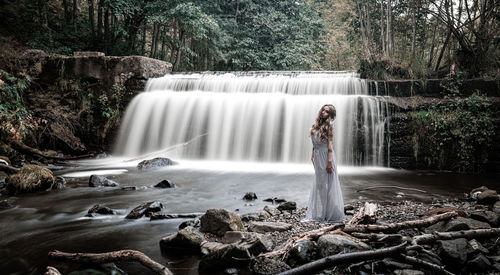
(325, 200)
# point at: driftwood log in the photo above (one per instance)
(330, 261)
(121, 255)
(367, 214)
(25, 149)
(468, 234)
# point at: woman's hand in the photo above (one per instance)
(329, 167)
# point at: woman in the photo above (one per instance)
(325, 200)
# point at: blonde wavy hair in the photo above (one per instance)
(324, 125)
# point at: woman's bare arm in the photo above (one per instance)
(329, 166)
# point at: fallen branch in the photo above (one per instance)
(394, 227)
(52, 271)
(311, 235)
(330, 261)
(166, 149)
(424, 264)
(9, 169)
(381, 238)
(25, 149)
(121, 255)
(468, 234)
(392, 186)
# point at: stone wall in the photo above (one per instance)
(77, 101)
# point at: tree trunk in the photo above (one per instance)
(75, 14)
(413, 30)
(67, 15)
(163, 41)
(446, 41)
(143, 40)
(100, 8)
(382, 36)
(91, 20)
(106, 31)
(389, 40)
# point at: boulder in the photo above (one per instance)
(257, 216)
(165, 184)
(188, 238)
(8, 203)
(250, 196)
(238, 236)
(218, 255)
(289, 205)
(96, 181)
(453, 252)
(275, 200)
(487, 197)
(331, 244)
(457, 224)
(476, 191)
(272, 210)
(31, 178)
(218, 221)
(100, 209)
(479, 263)
(302, 252)
(489, 217)
(496, 207)
(146, 209)
(154, 163)
(264, 227)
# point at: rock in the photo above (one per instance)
(219, 255)
(348, 207)
(302, 252)
(289, 205)
(496, 207)
(188, 238)
(475, 247)
(485, 216)
(275, 200)
(218, 221)
(102, 155)
(96, 181)
(442, 210)
(194, 223)
(263, 227)
(146, 209)
(408, 272)
(250, 196)
(272, 210)
(154, 163)
(100, 209)
(31, 178)
(476, 191)
(165, 184)
(333, 244)
(8, 203)
(3, 179)
(166, 216)
(395, 265)
(487, 197)
(456, 224)
(238, 236)
(94, 54)
(453, 252)
(230, 271)
(257, 216)
(59, 184)
(479, 263)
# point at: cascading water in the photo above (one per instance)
(253, 116)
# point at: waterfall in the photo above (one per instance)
(253, 116)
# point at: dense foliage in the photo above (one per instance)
(454, 135)
(394, 39)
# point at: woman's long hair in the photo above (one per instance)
(324, 125)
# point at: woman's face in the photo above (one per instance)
(325, 112)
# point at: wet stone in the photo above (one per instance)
(59, 184)
(250, 196)
(194, 223)
(275, 200)
(146, 209)
(154, 163)
(479, 263)
(289, 205)
(96, 180)
(165, 184)
(100, 209)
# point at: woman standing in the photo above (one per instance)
(325, 200)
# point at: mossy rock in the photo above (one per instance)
(31, 178)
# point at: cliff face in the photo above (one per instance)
(76, 102)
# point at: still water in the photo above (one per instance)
(56, 220)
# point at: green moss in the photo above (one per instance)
(454, 135)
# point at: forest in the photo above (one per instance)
(385, 39)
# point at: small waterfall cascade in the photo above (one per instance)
(254, 116)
